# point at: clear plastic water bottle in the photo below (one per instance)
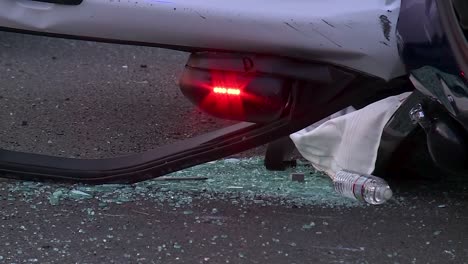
(368, 188)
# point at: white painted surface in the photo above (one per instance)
(343, 32)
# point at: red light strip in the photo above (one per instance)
(229, 91)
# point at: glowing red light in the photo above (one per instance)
(228, 91)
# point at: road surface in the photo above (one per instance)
(82, 99)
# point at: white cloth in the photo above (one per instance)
(348, 139)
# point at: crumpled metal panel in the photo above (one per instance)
(359, 34)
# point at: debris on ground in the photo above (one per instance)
(299, 177)
(234, 180)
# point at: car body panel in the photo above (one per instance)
(357, 34)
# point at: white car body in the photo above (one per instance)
(357, 34)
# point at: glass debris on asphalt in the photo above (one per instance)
(234, 180)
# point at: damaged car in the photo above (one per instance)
(362, 89)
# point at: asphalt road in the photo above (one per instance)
(92, 100)
(81, 99)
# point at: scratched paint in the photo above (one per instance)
(311, 27)
(328, 23)
(386, 26)
(322, 32)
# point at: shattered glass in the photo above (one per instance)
(233, 180)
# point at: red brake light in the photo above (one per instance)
(224, 90)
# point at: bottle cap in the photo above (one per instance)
(387, 194)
